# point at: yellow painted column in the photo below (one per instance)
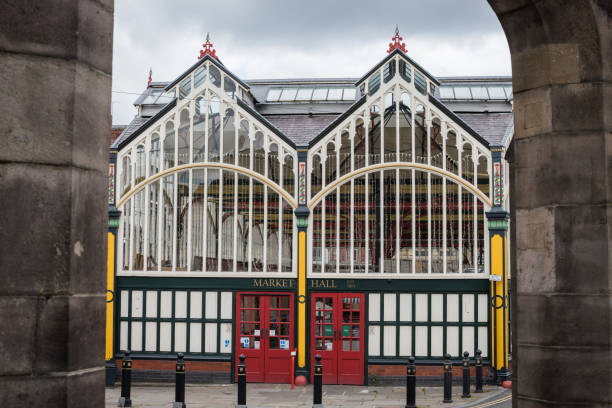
(110, 293)
(302, 299)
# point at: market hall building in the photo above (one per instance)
(364, 220)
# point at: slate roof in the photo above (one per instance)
(136, 123)
(494, 127)
(301, 128)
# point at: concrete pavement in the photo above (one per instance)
(281, 396)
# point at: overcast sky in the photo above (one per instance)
(297, 38)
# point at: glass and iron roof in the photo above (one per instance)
(310, 94)
(482, 92)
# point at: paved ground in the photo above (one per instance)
(281, 395)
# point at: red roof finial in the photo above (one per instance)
(396, 42)
(208, 48)
(150, 77)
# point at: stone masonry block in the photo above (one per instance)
(545, 162)
(52, 334)
(18, 322)
(86, 332)
(56, 119)
(86, 389)
(532, 113)
(551, 374)
(88, 237)
(582, 251)
(538, 320)
(577, 107)
(28, 391)
(535, 267)
(66, 29)
(62, 210)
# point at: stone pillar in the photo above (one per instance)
(302, 213)
(561, 193)
(55, 71)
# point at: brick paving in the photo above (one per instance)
(281, 396)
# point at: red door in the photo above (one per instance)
(337, 335)
(265, 336)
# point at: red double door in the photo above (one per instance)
(265, 335)
(337, 335)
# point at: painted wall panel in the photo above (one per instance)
(180, 337)
(389, 341)
(452, 340)
(195, 308)
(483, 307)
(421, 341)
(165, 336)
(226, 305)
(437, 341)
(468, 340)
(405, 346)
(210, 329)
(421, 307)
(151, 310)
(374, 307)
(390, 307)
(226, 338)
(150, 336)
(374, 341)
(211, 305)
(406, 307)
(483, 336)
(165, 304)
(180, 304)
(468, 307)
(136, 333)
(195, 337)
(123, 336)
(125, 295)
(437, 307)
(452, 307)
(137, 299)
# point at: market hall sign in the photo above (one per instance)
(274, 283)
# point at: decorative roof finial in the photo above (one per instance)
(397, 42)
(208, 48)
(150, 77)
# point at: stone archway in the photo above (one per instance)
(561, 191)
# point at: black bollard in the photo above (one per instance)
(126, 380)
(411, 384)
(466, 375)
(478, 371)
(317, 389)
(448, 379)
(241, 382)
(179, 393)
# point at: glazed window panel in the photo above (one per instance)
(244, 145)
(374, 222)
(437, 226)
(359, 224)
(215, 76)
(140, 165)
(331, 253)
(213, 209)
(243, 222)
(289, 175)
(374, 83)
(167, 208)
(467, 231)
(138, 230)
(436, 144)
(482, 177)
(453, 229)
(316, 175)
(330, 163)
(259, 154)
(405, 129)
(467, 163)
(229, 137)
(452, 153)
(317, 236)
(344, 228)
(421, 233)
(182, 219)
(185, 88)
(199, 76)
(199, 130)
(152, 241)
(359, 143)
(229, 86)
(214, 129)
(154, 155)
(169, 143)
(258, 225)
(344, 156)
(273, 205)
(405, 70)
(390, 139)
(405, 202)
(420, 136)
(183, 138)
(287, 241)
(198, 218)
(227, 222)
(126, 174)
(374, 133)
(389, 71)
(389, 233)
(420, 83)
(273, 163)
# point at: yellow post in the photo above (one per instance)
(301, 299)
(110, 286)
